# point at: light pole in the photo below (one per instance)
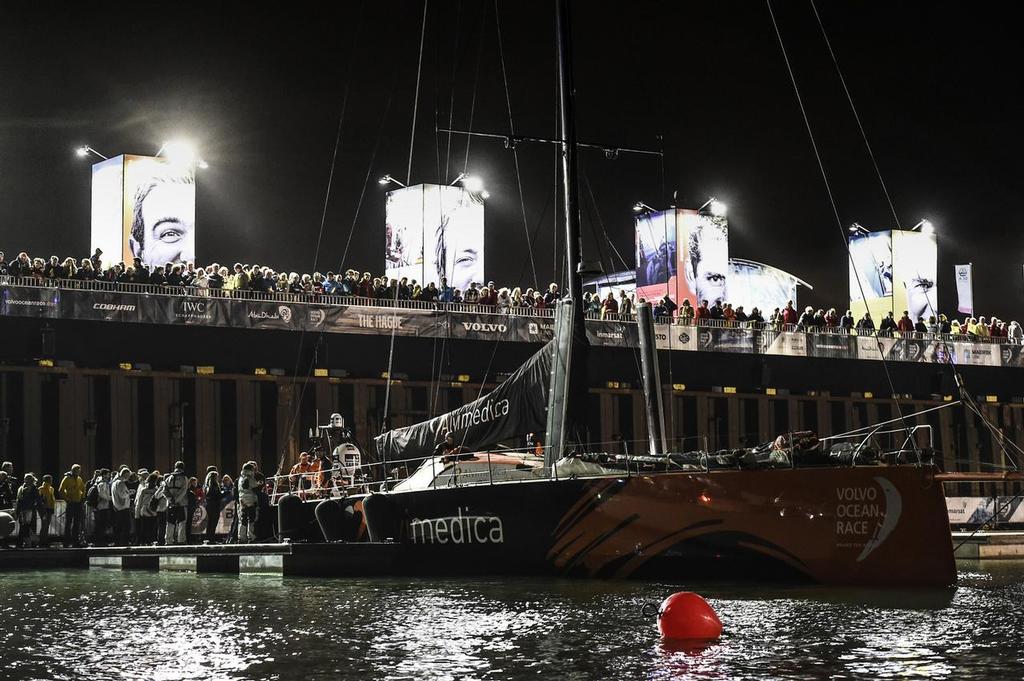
(85, 150)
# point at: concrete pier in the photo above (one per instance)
(989, 545)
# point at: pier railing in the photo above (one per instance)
(143, 303)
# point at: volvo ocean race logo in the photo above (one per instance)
(862, 519)
(317, 317)
(458, 529)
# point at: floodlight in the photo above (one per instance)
(925, 226)
(472, 184)
(387, 179)
(714, 206)
(485, 194)
(179, 152)
(85, 150)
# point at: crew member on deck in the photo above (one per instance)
(447, 449)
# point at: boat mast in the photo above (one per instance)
(567, 394)
(570, 152)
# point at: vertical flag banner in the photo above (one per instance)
(964, 289)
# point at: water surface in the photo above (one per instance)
(147, 625)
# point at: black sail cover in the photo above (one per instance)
(515, 407)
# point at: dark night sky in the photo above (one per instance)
(259, 89)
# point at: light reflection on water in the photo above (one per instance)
(132, 625)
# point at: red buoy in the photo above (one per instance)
(687, 616)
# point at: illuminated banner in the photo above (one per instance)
(753, 284)
(656, 260)
(435, 231)
(143, 208)
(682, 253)
(915, 272)
(964, 289)
(896, 271)
(704, 257)
(871, 274)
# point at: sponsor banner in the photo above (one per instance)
(789, 343)
(539, 329)
(518, 405)
(27, 301)
(964, 288)
(102, 306)
(1011, 509)
(726, 340)
(200, 519)
(186, 310)
(669, 337)
(372, 320)
(1011, 355)
(481, 326)
(908, 350)
(832, 345)
(977, 354)
(227, 312)
(613, 334)
(255, 314)
(970, 510)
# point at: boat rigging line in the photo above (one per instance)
(511, 140)
(856, 116)
(416, 96)
(515, 153)
(344, 256)
(966, 398)
(835, 212)
(319, 239)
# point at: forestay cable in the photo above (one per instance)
(835, 210)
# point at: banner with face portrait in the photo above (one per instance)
(145, 208)
(107, 211)
(915, 270)
(703, 257)
(434, 232)
(753, 284)
(656, 260)
(871, 274)
(159, 211)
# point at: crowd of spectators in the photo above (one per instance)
(259, 280)
(140, 507)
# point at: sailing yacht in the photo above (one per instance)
(788, 510)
